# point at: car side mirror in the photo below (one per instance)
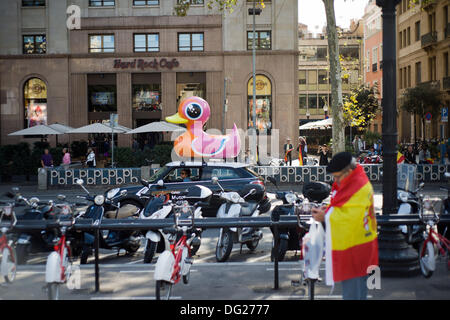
(79, 182)
(61, 197)
(214, 180)
(160, 183)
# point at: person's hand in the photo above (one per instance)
(318, 214)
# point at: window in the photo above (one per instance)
(263, 104)
(101, 43)
(446, 70)
(349, 52)
(408, 36)
(400, 39)
(102, 94)
(102, 3)
(192, 2)
(147, 97)
(302, 101)
(262, 42)
(323, 79)
(418, 73)
(33, 3)
(190, 42)
(312, 79)
(34, 44)
(417, 30)
(368, 61)
(146, 42)
(312, 101)
(35, 102)
(432, 68)
(302, 80)
(145, 2)
(323, 101)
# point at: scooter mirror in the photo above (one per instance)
(214, 180)
(34, 200)
(80, 182)
(160, 183)
(123, 193)
(421, 185)
(61, 197)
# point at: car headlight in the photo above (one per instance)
(111, 193)
(403, 196)
(290, 198)
(99, 200)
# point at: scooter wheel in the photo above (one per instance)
(427, 259)
(150, 250)
(163, 290)
(53, 291)
(223, 252)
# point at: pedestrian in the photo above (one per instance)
(135, 145)
(424, 154)
(288, 147)
(90, 159)
(106, 148)
(410, 157)
(46, 159)
(302, 150)
(66, 161)
(186, 175)
(351, 243)
(323, 155)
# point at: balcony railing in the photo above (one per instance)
(434, 84)
(428, 4)
(429, 39)
(446, 83)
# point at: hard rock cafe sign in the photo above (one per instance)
(146, 64)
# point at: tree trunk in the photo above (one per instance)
(338, 131)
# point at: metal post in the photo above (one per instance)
(254, 80)
(275, 217)
(97, 271)
(224, 104)
(395, 256)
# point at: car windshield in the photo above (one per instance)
(407, 177)
(160, 174)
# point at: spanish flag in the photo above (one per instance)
(300, 156)
(287, 152)
(400, 157)
(351, 229)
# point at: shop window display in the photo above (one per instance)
(263, 104)
(35, 102)
(147, 97)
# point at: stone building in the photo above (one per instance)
(138, 59)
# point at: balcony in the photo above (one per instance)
(374, 67)
(428, 5)
(446, 83)
(429, 39)
(434, 84)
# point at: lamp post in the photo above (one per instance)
(254, 12)
(396, 257)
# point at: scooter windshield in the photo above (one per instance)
(154, 205)
(407, 177)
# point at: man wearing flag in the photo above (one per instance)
(288, 151)
(351, 229)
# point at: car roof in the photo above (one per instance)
(207, 164)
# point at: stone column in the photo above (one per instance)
(124, 109)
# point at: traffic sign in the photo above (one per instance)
(428, 116)
(444, 115)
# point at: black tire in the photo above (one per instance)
(223, 253)
(150, 249)
(186, 278)
(429, 253)
(131, 248)
(163, 290)
(282, 249)
(53, 291)
(22, 253)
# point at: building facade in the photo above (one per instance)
(373, 55)
(314, 81)
(139, 60)
(423, 46)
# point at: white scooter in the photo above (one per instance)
(159, 208)
(236, 206)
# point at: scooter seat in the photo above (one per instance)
(248, 209)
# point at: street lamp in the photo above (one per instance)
(254, 12)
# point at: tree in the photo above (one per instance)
(183, 6)
(420, 100)
(361, 107)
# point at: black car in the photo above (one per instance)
(232, 177)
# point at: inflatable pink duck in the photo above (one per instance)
(194, 112)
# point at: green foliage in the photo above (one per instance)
(126, 158)
(78, 149)
(422, 99)
(183, 6)
(371, 137)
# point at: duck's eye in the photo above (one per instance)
(193, 111)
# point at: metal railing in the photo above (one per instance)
(273, 221)
(429, 39)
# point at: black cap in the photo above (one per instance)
(339, 162)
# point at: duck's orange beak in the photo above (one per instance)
(176, 118)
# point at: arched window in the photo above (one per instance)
(263, 104)
(35, 102)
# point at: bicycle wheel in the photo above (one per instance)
(53, 291)
(427, 259)
(163, 290)
(9, 261)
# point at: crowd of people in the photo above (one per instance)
(426, 152)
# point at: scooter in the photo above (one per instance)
(238, 205)
(128, 240)
(39, 240)
(291, 238)
(160, 207)
(443, 228)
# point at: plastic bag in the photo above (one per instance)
(313, 247)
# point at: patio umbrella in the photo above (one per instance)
(158, 126)
(102, 128)
(60, 127)
(41, 129)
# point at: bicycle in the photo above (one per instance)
(174, 264)
(432, 239)
(59, 263)
(9, 257)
